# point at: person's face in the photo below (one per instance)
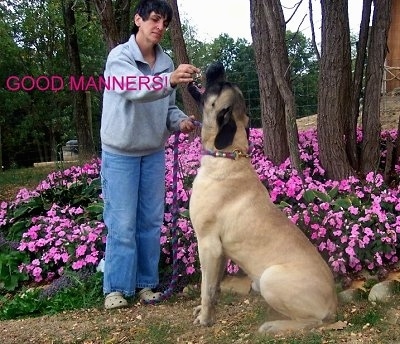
(153, 28)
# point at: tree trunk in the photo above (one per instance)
(82, 124)
(280, 68)
(111, 33)
(272, 106)
(393, 55)
(370, 152)
(123, 19)
(181, 56)
(334, 101)
(351, 128)
(313, 41)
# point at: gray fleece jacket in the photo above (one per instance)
(139, 111)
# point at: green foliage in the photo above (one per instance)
(10, 276)
(26, 303)
(79, 193)
(68, 198)
(304, 72)
(312, 196)
(83, 293)
(239, 61)
(36, 124)
(370, 316)
(80, 293)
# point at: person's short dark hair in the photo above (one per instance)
(145, 7)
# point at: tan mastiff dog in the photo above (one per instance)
(234, 217)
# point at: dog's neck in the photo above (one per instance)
(234, 155)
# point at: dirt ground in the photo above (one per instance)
(238, 316)
(390, 112)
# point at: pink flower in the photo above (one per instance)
(190, 270)
(90, 259)
(370, 177)
(353, 210)
(78, 264)
(80, 250)
(350, 251)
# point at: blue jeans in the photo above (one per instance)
(134, 194)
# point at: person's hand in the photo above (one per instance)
(187, 125)
(183, 74)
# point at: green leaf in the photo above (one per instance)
(95, 208)
(185, 214)
(22, 210)
(309, 196)
(342, 203)
(9, 273)
(333, 193)
(283, 205)
(17, 229)
(355, 201)
(324, 197)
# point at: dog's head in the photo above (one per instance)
(225, 121)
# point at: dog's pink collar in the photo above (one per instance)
(234, 155)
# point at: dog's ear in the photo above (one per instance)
(226, 128)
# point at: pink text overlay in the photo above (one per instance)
(57, 83)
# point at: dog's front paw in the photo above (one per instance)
(196, 310)
(201, 318)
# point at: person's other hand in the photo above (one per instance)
(187, 125)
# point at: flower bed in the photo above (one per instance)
(355, 224)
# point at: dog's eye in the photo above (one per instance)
(213, 104)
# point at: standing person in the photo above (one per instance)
(139, 113)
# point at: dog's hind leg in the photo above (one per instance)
(305, 301)
(280, 326)
(212, 263)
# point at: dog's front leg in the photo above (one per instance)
(212, 270)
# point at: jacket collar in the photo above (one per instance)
(163, 61)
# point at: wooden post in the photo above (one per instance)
(393, 57)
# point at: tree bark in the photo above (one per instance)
(272, 105)
(108, 22)
(313, 41)
(351, 128)
(181, 56)
(123, 19)
(280, 68)
(334, 89)
(370, 152)
(82, 123)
